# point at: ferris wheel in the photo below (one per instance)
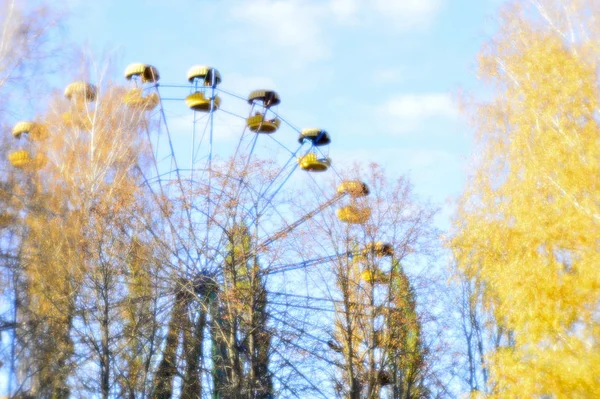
(265, 246)
(223, 197)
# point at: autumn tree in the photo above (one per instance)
(85, 257)
(25, 42)
(28, 45)
(528, 226)
(376, 341)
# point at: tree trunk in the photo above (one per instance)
(163, 381)
(192, 349)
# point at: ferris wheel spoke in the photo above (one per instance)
(268, 204)
(280, 144)
(223, 184)
(288, 166)
(292, 168)
(288, 123)
(196, 147)
(175, 237)
(234, 185)
(303, 321)
(281, 233)
(179, 179)
(296, 369)
(331, 166)
(304, 333)
(230, 175)
(242, 173)
(305, 264)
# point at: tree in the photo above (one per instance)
(529, 221)
(239, 333)
(474, 333)
(28, 44)
(80, 186)
(377, 336)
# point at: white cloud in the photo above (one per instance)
(345, 11)
(415, 109)
(405, 14)
(387, 75)
(294, 25)
(408, 13)
(304, 29)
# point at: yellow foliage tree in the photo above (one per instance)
(528, 228)
(377, 335)
(87, 274)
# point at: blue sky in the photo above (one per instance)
(380, 75)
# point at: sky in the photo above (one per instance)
(381, 76)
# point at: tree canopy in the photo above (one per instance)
(529, 223)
